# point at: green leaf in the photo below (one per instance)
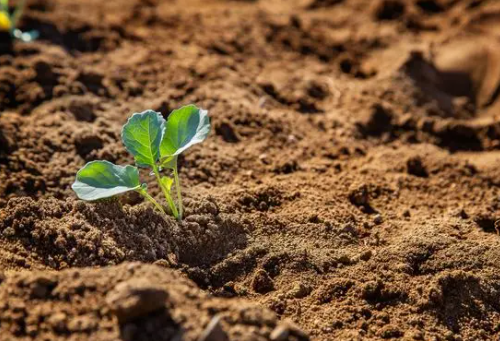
(4, 6)
(167, 182)
(169, 162)
(185, 127)
(142, 136)
(102, 179)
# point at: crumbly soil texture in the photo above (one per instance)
(349, 189)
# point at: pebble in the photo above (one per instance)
(262, 283)
(286, 329)
(377, 220)
(214, 331)
(135, 298)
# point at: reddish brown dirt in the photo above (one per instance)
(350, 183)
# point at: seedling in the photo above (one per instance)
(155, 144)
(8, 21)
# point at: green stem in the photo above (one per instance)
(4, 6)
(166, 193)
(17, 13)
(178, 189)
(151, 200)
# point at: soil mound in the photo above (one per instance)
(131, 301)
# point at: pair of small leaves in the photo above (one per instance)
(149, 139)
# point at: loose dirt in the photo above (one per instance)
(349, 189)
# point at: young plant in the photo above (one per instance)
(8, 21)
(155, 144)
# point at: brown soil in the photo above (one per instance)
(349, 189)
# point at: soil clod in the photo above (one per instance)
(135, 298)
(262, 283)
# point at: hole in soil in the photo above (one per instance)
(317, 91)
(390, 10)
(87, 144)
(46, 77)
(164, 109)
(93, 82)
(147, 327)
(323, 3)
(487, 223)
(457, 137)
(475, 4)
(4, 148)
(307, 107)
(6, 46)
(83, 111)
(296, 39)
(346, 66)
(40, 6)
(376, 120)
(226, 131)
(353, 66)
(430, 6)
(29, 187)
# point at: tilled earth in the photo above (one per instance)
(349, 188)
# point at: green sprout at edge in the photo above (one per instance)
(8, 21)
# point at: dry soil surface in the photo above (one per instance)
(349, 189)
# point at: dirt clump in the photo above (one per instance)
(127, 302)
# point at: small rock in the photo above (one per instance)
(366, 255)
(359, 196)
(41, 286)
(300, 290)
(264, 158)
(417, 335)
(214, 331)
(82, 110)
(460, 213)
(83, 323)
(376, 120)
(415, 166)
(58, 321)
(291, 139)
(263, 206)
(463, 214)
(286, 329)
(135, 298)
(390, 331)
(262, 283)
(280, 333)
(371, 290)
(377, 220)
